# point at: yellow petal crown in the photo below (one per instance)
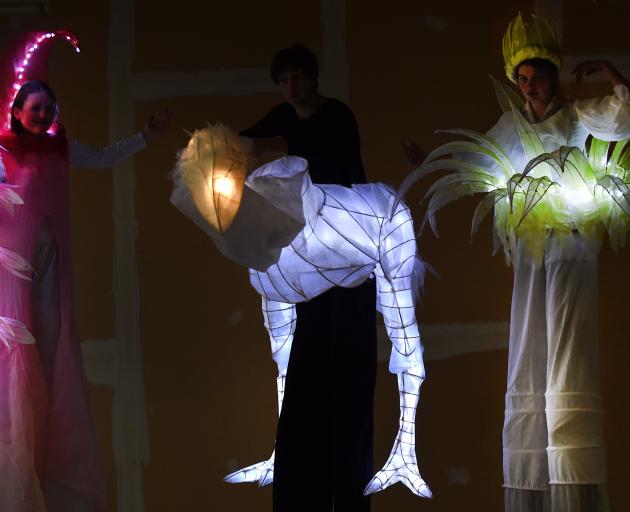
(535, 39)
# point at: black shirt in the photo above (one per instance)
(328, 140)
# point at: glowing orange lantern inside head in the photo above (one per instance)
(214, 166)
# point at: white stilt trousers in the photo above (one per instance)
(553, 429)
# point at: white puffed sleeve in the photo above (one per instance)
(607, 118)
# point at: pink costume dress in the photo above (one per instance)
(49, 459)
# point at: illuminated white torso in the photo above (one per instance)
(339, 245)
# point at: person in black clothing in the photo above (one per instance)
(324, 440)
(321, 130)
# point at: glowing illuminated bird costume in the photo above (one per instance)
(299, 240)
(49, 458)
(552, 202)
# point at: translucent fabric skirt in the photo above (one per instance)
(30, 482)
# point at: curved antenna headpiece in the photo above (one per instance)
(29, 61)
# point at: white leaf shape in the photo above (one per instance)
(14, 263)
(9, 198)
(15, 331)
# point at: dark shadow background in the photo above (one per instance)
(413, 67)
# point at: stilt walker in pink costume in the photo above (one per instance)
(49, 460)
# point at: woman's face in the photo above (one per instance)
(535, 84)
(37, 114)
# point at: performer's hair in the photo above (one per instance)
(28, 88)
(293, 58)
(544, 65)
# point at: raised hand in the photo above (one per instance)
(589, 67)
(156, 125)
(413, 152)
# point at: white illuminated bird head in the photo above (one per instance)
(214, 166)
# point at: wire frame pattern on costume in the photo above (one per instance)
(349, 236)
(215, 165)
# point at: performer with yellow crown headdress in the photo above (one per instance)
(553, 429)
(552, 203)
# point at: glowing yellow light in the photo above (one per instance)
(224, 185)
(579, 196)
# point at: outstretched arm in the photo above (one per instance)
(267, 149)
(83, 155)
(589, 67)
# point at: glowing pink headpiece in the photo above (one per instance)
(28, 61)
